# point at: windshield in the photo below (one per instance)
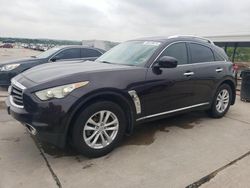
(48, 53)
(130, 53)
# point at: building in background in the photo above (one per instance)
(237, 47)
(102, 44)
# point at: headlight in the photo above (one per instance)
(60, 91)
(9, 67)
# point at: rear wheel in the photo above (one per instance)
(221, 102)
(98, 129)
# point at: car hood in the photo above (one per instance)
(50, 72)
(21, 61)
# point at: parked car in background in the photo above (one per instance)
(92, 105)
(6, 46)
(63, 53)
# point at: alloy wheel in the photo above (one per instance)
(222, 101)
(101, 129)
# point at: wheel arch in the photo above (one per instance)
(232, 84)
(123, 100)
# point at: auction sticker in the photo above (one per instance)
(153, 43)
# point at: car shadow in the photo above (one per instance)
(144, 134)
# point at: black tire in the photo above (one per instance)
(78, 140)
(213, 112)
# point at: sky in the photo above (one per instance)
(120, 20)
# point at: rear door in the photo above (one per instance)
(172, 89)
(208, 70)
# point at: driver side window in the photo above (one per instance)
(69, 54)
(178, 51)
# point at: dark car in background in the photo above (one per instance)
(63, 53)
(6, 46)
(92, 105)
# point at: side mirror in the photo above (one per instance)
(166, 62)
(54, 59)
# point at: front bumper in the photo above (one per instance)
(49, 119)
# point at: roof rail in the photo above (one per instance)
(192, 36)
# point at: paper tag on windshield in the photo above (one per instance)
(153, 43)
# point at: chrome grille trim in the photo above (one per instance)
(14, 82)
(14, 104)
(16, 94)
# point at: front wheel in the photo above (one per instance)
(221, 102)
(99, 128)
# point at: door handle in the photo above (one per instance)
(188, 73)
(219, 69)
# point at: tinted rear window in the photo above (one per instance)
(218, 57)
(200, 53)
(86, 52)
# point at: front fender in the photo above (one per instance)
(115, 95)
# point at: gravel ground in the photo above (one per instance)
(7, 54)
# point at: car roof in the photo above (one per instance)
(80, 46)
(177, 38)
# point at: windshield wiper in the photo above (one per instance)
(106, 62)
(115, 63)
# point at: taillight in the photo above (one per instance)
(235, 67)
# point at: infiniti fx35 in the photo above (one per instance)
(93, 105)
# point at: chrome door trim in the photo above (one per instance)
(190, 64)
(151, 65)
(172, 111)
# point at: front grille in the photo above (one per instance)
(16, 94)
